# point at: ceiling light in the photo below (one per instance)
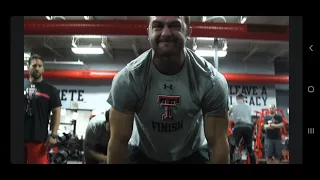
(86, 17)
(65, 62)
(88, 36)
(103, 45)
(48, 17)
(74, 44)
(25, 67)
(205, 38)
(225, 47)
(243, 19)
(210, 53)
(89, 50)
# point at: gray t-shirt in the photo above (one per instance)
(169, 110)
(96, 134)
(241, 113)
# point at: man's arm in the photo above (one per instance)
(266, 125)
(215, 109)
(123, 99)
(89, 144)
(279, 125)
(120, 130)
(56, 111)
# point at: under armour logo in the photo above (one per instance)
(170, 86)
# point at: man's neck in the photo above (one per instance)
(272, 114)
(35, 80)
(169, 65)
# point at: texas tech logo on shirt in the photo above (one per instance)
(167, 103)
(31, 91)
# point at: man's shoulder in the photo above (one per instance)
(203, 68)
(48, 86)
(134, 70)
(277, 116)
(199, 63)
(139, 64)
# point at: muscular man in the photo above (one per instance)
(96, 139)
(243, 128)
(41, 98)
(273, 143)
(172, 102)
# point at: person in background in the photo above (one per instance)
(96, 139)
(273, 143)
(40, 98)
(170, 104)
(243, 127)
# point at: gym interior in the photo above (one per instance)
(82, 54)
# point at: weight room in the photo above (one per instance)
(82, 66)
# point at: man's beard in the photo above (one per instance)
(167, 47)
(36, 75)
(168, 52)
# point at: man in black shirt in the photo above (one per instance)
(273, 143)
(41, 98)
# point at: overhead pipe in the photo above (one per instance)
(108, 75)
(139, 28)
(65, 62)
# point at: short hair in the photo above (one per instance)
(186, 20)
(272, 105)
(106, 114)
(35, 56)
(240, 96)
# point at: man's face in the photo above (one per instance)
(272, 108)
(36, 68)
(167, 35)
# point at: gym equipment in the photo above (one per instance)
(67, 148)
(60, 158)
(64, 138)
(240, 155)
(75, 155)
(73, 123)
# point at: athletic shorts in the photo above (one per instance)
(136, 156)
(273, 148)
(35, 153)
(244, 132)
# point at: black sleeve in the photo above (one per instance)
(279, 119)
(265, 119)
(55, 98)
